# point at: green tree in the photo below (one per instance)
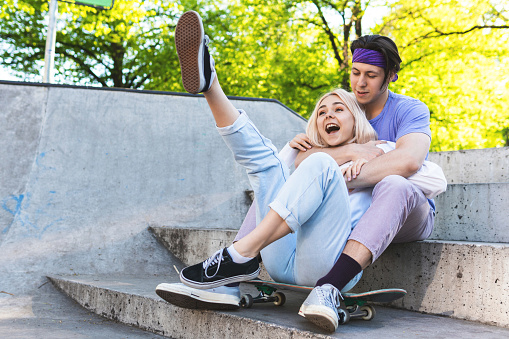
(122, 47)
(456, 60)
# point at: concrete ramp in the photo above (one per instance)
(85, 171)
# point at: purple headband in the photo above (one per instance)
(370, 57)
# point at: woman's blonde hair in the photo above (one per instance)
(362, 131)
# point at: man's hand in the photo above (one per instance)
(301, 142)
(367, 151)
(405, 160)
(342, 154)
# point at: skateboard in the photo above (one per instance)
(356, 305)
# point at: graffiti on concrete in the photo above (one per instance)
(36, 220)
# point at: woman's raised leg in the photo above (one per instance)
(267, 173)
(222, 109)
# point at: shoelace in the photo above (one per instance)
(331, 299)
(216, 258)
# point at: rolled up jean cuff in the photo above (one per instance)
(237, 125)
(285, 214)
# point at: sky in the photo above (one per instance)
(4, 74)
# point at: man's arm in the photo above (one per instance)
(343, 154)
(405, 160)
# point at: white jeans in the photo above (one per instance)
(313, 201)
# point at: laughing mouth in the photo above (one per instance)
(331, 128)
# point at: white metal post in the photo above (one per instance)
(49, 54)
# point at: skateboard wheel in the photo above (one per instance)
(280, 298)
(344, 316)
(370, 312)
(246, 301)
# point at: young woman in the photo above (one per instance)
(304, 219)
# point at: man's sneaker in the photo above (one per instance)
(218, 298)
(219, 270)
(322, 305)
(196, 64)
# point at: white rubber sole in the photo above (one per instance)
(189, 37)
(321, 316)
(187, 297)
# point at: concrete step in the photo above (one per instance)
(473, 212)
(474, 166)
(464, 280)
(193, 245)
(132, 300)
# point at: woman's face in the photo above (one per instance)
(334, 121)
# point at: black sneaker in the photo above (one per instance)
(219, 270)
(196, 64)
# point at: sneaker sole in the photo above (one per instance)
(218, 283)
(189, 41)
(196, 302)
(319, 318)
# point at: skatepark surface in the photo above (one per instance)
(87, 171)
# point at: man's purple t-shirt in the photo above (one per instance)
(402, 115)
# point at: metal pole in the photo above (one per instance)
(49, 54)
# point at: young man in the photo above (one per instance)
(399, 211)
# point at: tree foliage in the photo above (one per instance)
(121, 47)
(456, 60)
(292, 51)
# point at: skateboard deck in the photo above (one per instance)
(357, 304)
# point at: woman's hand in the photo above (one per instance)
(367, 151)
(354, 169)
(301, 142)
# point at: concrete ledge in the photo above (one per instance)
(465, 212)
(456, 279)
(475, 165)
(132, 300)
(473, 212)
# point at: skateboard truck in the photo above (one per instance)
(266, 294)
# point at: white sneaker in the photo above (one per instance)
(321, 307)
(218, 298)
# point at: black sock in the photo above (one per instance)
(344, 270)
